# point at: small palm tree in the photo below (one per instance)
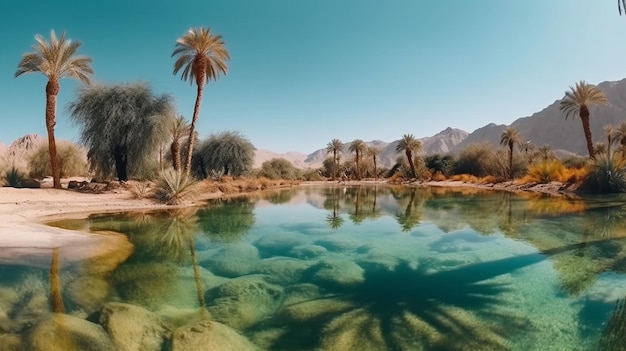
(545, 153)
(202, 57)
(358, 147)
(409, 145)
(577, 101)
(55, 59)
(179, 130)
(619, 137)
(335, 147)
(509, 138)
(609, 130)
(373, 152)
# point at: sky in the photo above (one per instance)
(303, 72)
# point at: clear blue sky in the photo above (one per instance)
(303, 72)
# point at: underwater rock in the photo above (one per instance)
(154, 285)
(209, 336)
(307, 251)
(233, 260)
(311, 310)
(244, 301)
(67, 333)
(300, 293)
(10, 342)
(280, 244)
(338, 244)
(334, 272)
(133, 328)
(88, 293)
(281, 270)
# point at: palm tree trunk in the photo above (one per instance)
(56, 298)
(192, 128)
(375, 173)
(335, 164)
(175, 150)
(52, 90)
(511, 161)
(358, 170)
(584, 118)
(409, 156)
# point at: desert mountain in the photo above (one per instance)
(549, 126)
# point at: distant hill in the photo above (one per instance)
(549, 126)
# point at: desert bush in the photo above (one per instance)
(481, 159)
(229, 153)
(545, 172)
(464, 177)
(607, 175)
(442, 164)
(438, 176)
(72, 161)
(279, 168)
(175, 187)
(13, 177)
(312, 175)
(576, 162)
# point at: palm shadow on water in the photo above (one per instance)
(407, 308)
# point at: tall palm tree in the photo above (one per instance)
(55, 59)
(373, 152)
(409, 145)
(202, 56)
(358, 147)
(577, 101)
(335, 146)
(179, 129)
(509, 138)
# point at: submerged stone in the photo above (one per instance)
(209, 336)
(281, 270)
(233, 260)
(280, 244)
(244, 301)
(67, 333)
(307, 251)
(338, 244)
(87, 293)
(133, 328)
(334, 272)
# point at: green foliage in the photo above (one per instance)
(279, 168)
(607, 175)
(329, 168)
(122, 127)
(312, 175)
(13, 177)
(442, 164)
(72, 161)
(575, 162)
(228, 152)
(482, 160)
(174, 187)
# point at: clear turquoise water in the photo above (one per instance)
(363, 268)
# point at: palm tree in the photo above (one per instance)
(621, 4)
(577, 101)
(609, 130)
(179, 129)
(545, 153)
(55, 59)
(373, 152)
(619, 137)
(358, 147)
(509, 138)
(202, 56)
(335, 146)
(409, 145)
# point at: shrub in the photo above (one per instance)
(13, 177)
(72, 161)
(312, 175)
(546, 172)
(279, 168)
(174, 187)
(607, 175)
(442, 164)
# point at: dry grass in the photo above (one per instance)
(553, 171)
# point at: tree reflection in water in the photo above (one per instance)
(227, 220)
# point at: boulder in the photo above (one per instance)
(67, 333)
(233, 260)
(280, 244)
(206, 335)
(334, 272)
(243, 302)
(307, 251)
(281, 270)
(133, 328)
(338, 244)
